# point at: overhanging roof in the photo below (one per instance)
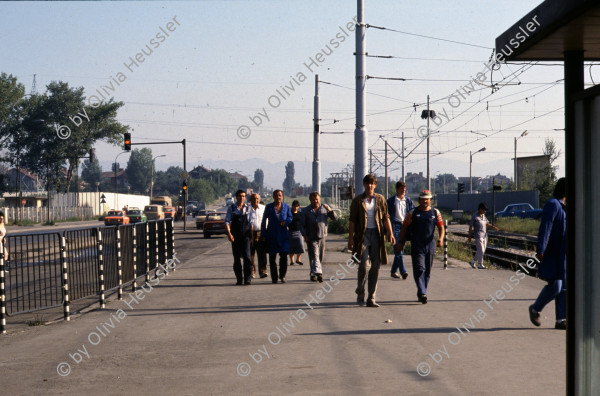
(564, 25)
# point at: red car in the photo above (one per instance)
(214, 224)
(116, 217)
(169, 212)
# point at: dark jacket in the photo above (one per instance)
(552, 241)
(392, 206)
(314, 223)
(278, 240)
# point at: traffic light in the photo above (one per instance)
(127, 140)
(461, 187)
(184, 187)
(92, 155)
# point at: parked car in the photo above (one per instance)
(229, 201)
(170, 212)
(154, 212)
(136, 215)
(522, 210)
(116, 217)
(214, 224)
(201, 218)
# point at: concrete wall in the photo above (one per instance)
(92, 199)
(470, 202)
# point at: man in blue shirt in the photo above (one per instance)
(398, 206)
(239, 232)
(552, 254)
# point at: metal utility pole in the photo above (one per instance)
(516, 187)
(403, 157)
(360, 133)
(316, 171)
(428, 176)
(386, 170)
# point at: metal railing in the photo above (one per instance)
(47, 270)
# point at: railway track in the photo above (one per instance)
(524, 242)
(500, 255)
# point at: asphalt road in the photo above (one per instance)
(196, 333)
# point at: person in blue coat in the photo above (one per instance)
(398, 206)
(274, 229)
(551, 253)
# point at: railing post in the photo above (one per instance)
(156, 249)
(101, 269)
(63, 261)
(165, 241)
(2, 292)
(134, 283)
(147, 252)
(445, 244)
(119, 264)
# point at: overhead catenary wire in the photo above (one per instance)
(428, 37)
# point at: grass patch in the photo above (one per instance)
(518, 226)
(76, 218)
(463, 252)
(24, 223)
(38, 320)
(49, 223)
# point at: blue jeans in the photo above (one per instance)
(555, 290)
(422, 261)
(398, 257)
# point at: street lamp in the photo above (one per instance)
(471, 154)
(517, 138)
(152, 176)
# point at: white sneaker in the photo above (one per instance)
(472, 262)
(481, 266)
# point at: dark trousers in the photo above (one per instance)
(398, 256)
(422, 261)
(555, 290)
(282, 265)
(259, 248)
(241, 252)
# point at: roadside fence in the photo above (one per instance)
(47, 270)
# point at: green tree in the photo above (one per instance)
(168, 182)
(545, 178)
(201, 190)
(32, 128)
(221, 182)
(91, 173)
(289, 183)
(138, 170)
(243, 184)
(11, 92)
(445, 182)
(259, 179)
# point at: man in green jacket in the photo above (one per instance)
(369, 222)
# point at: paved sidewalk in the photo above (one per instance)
(195, 333)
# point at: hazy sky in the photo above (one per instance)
(224, 61)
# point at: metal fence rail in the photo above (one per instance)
(33, 272)
(48, 269)
(82, 262)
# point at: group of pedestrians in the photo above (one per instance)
(276, 229)
(370, 216)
